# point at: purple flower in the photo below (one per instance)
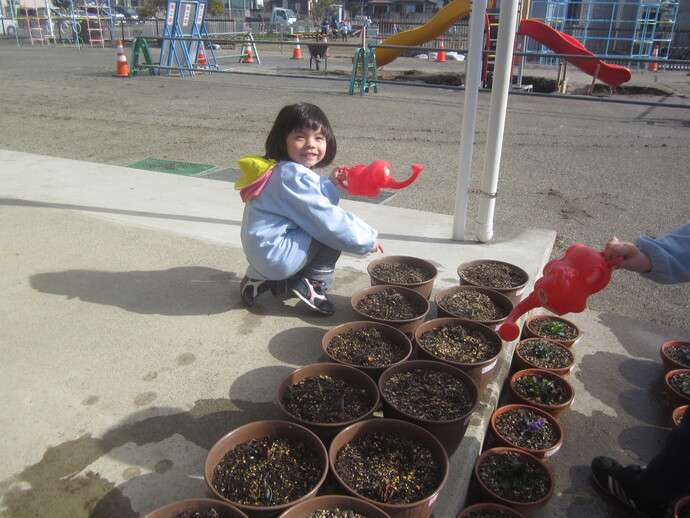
(533, 427)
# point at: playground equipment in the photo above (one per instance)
(364, 74)
(613, 75)
(561, 43)
(370, 179)
(564, 286)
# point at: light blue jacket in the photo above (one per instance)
(295, 206)
(670, 255)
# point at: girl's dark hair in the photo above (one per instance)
(295, 116)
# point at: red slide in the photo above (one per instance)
(561, 43)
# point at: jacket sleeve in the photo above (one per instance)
(311, 202)
(670, 255)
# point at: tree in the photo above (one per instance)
(320, 10)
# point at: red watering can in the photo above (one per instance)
(368, 180)
(564, 286)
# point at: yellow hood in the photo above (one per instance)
(252, 167)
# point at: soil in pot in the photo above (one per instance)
(542, 389)
(334, 506)
(458, 343)
(267, 471)
(429, 394)
(197, 508)
(434, 395)
(539, 353)
(678, 381)
(324, 399)
(514, 476)
(489, 510)
(367, 347)
(473, 304)
(527, 428)
(493, 274)
(389, 468)
(552, 328)
(411, 272)
(676, 355)
(389, 305)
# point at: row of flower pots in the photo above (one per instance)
(322, 443)
(415, 353)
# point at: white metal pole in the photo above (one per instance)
(503, 68)
(473, 71)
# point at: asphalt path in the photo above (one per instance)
(588, 169)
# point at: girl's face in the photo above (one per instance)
(306, 146)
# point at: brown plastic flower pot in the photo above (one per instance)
(488, 495)
(389, 332)
(258, 430)
(419, 509)
(528, 330)
(669, 362)
(514, 292)
(332, 502)
(555, 410)
(423, 287)
(196, 505)
(675, 397)
(407, 326)
(679, 414)
(497, 297)
(351, 375)
(488, 507)
(501, 440)
(520, 362)
(481, 372)
(449, 432)
(682, 507)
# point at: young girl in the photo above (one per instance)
(293, 230)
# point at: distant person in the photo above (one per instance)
(653, 490)
(324, 26)
(344, 29)
(395, 28)
(293, 231)
(367, 22)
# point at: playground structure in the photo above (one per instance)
(638, 31)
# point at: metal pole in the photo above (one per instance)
(473, 71)
(503, 68)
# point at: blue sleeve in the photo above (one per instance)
(670, 255)
(311, 202)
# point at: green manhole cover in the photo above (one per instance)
(169, 166)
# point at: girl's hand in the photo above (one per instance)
(338, 175)
(378, 247)
(634, 259)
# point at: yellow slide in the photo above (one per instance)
(439, 24)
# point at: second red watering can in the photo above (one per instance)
(564, 286)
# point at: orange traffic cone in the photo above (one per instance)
(201, 56)
(325, 40)
(653, 66)
(441, 56)
(122, 66)
(247, 53)
(297, 51)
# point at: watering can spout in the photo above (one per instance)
(509, 330)
(416, 169)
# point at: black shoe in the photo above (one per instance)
(619, 481)
(252, 288)
(313, 293)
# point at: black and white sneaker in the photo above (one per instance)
(619, 481)
(313, 293)
(252, 288)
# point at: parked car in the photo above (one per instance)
(130, 13)
(8, 27)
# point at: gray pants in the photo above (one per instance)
(320, 263)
